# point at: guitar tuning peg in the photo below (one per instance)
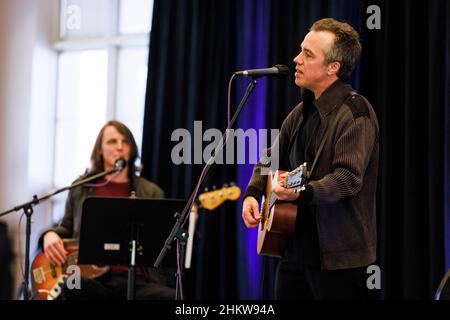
(232, 183)
(214, 187)
(206, 190)
(225, 185)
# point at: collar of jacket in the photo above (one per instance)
(332, 97)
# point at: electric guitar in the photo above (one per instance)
(278, 217)
(47, 278)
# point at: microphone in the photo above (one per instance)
(279, 70)
(120, 164)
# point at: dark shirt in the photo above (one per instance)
(304, 243)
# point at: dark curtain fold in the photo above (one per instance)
(403, 75)
(196, 45)
(253, 23)
(189, 66)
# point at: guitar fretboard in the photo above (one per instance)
(272, 200)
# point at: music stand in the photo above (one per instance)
(126, 231)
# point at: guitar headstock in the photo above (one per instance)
(212, 199)
(297, 177)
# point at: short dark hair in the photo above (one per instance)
(346, 48)
(96, 154)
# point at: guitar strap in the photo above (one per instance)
(322, 142)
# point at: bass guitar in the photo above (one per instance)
(212, 199)
(47, 278)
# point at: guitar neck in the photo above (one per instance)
(272, 200)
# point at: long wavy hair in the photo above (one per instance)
(96, 154)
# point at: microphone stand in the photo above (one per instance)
(28, 209)
(177, 230)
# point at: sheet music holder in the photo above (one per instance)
(112, 227)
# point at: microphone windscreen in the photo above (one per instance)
(120, 163)
(283, 70)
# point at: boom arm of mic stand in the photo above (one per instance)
(186, 210)
(36, 200)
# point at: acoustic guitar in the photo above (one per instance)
(47, 278)
(278, 217)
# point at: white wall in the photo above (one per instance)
(27, 80)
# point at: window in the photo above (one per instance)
(102, 75)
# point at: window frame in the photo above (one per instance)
(112, 42)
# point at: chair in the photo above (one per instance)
(6, 256)
(443, 291)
